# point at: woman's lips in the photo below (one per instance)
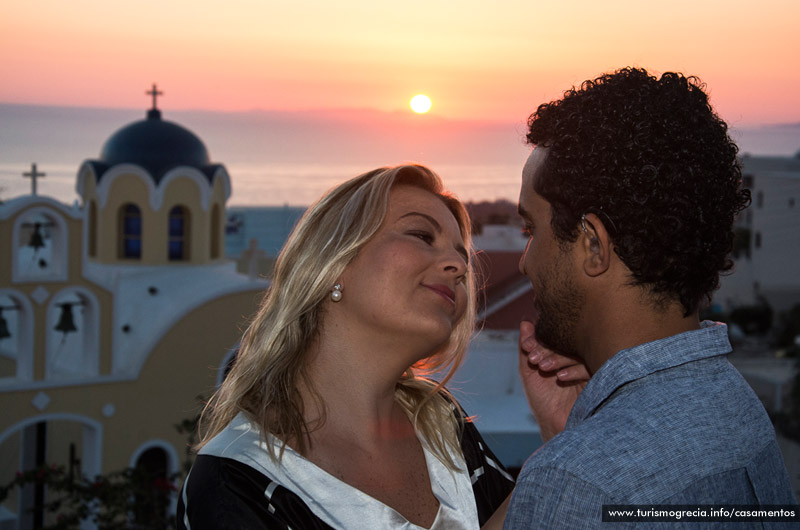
(444, 291)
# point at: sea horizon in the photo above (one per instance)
(278, 158)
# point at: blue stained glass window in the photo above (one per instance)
(178, 228)
(131, 232)
(176, 225)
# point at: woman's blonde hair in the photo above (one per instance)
(273, 355)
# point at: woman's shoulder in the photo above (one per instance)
(241, 440)
(238, 434)
(213, 475)
(223, 493)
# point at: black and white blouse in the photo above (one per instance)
(234, 484)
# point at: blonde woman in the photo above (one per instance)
(326, 419)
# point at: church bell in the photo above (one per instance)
(37, 241)
(66, 323)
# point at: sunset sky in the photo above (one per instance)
(475, 59)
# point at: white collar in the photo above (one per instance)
(337, 503)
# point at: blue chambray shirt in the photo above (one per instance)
(665, 422)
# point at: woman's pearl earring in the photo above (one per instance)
(336, 294)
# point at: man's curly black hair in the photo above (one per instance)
(657, 163)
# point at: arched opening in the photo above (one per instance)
(9, 336)
(67, 440)
(16, 337)
(40, 246)
(153, 499)
(72, 335)
(130, 232)
(178, 243)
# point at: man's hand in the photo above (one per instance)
(552, 381)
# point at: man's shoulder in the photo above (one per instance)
(658, 425)
(690, 402)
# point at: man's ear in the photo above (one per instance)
(595, 243)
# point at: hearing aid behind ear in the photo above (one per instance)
(594, 243)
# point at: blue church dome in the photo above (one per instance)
(156, 145)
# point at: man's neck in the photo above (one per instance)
(613, 329)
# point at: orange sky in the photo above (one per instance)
(475, 59)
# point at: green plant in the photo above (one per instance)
(128, 499)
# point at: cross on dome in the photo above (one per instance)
(33, 174)
(155, 92)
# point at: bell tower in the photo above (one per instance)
(153, 197)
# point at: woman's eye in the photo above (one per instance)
(425, 236)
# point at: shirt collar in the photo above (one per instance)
(642, 360)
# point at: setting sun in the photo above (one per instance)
(420, 104)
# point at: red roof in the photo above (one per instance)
(505, 295)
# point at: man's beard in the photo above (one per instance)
(559, 304)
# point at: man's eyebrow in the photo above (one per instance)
(459, 248)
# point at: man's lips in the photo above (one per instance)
(444, 291)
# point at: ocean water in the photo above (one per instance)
(301, 184)
(278, 184)
(283, 158)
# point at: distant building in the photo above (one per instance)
(768, 237)
(503, 237)
(269, 226)
(255, 235)
(116, 313)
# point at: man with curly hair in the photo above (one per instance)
(629, 197)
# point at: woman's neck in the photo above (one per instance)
(357, 390)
